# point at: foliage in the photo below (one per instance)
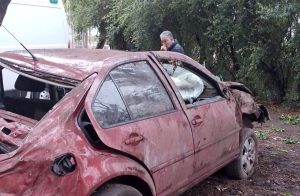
(286, 194)
(262, 135)
(89, 14)
(291, 140)
(255, 42)
(290, 119)
(277, 129)
(284, 150)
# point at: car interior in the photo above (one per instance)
(28, 97)
(192, 86)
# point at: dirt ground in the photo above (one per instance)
(278, 171)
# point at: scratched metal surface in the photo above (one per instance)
(175, 151)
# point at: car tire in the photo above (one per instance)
(117, 190)
(244, 166)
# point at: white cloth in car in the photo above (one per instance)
(190, 86)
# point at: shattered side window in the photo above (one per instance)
(191, 86)
(142, 90)
(108, 107)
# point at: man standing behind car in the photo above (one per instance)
(169, 43)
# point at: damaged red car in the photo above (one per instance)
(96, 122)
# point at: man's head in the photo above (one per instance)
(166, 39)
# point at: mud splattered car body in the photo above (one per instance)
(115, 118)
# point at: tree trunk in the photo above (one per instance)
(233, 55)
(202, 49)
(235, 66)
(100, 43)
(3, 7)
(102, 35)
(275, 81)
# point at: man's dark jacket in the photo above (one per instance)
(176, 47)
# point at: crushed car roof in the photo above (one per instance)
(76, 64)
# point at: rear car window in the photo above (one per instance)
(26, 96)
(135, 92)
(108, 106)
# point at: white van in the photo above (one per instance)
(38, 24)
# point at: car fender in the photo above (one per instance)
(245, 99)
(113, 166)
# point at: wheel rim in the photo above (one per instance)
(248, 155)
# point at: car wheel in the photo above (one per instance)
(244, 166)
(117, 190)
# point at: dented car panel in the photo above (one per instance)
(56, 135)
(245, 99)
(115, 117)
(34, 158)
(153, 132)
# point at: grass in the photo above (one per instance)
(286, 194)
(284, 150)
(290, 119)
(274, 153)
(262, 135)
(277, 129)
(291, 140)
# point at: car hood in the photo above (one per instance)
(238, 86)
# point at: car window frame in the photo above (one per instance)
(191, 67)
(201, 75)
(97, 93)
(175, 109)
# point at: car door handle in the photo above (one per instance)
(134, 139)
(197, 120)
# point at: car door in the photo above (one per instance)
(134, 111)
(212, 117)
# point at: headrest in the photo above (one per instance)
(27, 84)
